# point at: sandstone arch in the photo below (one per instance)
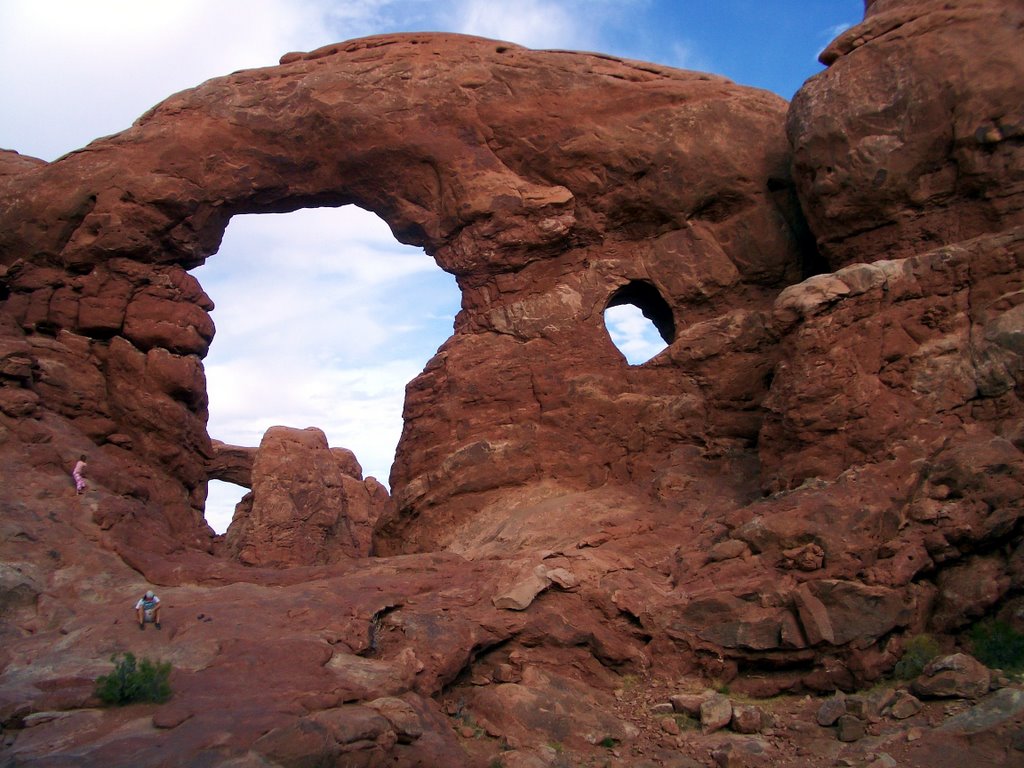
(533, 213)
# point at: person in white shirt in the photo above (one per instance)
(148, 609)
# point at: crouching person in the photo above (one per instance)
(148, 610)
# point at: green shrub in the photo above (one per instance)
(131, 681)
(919, 651)
(998, 645)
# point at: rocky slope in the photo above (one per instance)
(824, 465)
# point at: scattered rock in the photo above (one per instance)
(688, 703)
(993, 710)
(747, 718)
(670, 726)
(850, 728)
(831, 710)
(809, 557)
(957, 675)
(715, 713)
(906, 705)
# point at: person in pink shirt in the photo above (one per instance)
(79, 474)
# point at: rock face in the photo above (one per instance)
(546, 207)
(906, 161)
(308, 504)
(825, 461)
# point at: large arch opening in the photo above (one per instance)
(322, 319)
(639, 321)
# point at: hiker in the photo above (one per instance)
(79, 474)
(148, 609)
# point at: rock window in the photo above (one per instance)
(639, 321)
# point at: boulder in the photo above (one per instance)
(956, 675)
(912, 160)
(305, 508)
(716, 712)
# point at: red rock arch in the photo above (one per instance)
(538, 178)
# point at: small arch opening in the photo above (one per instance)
(639, 321)
(221, 499)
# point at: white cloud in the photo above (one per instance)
(71, 71)
(531, 23)
(687, 55)
(837, 29)
(634, 335)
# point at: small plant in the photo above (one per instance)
(998, 645)
(608, 742)
(919, 651)
(131, 682)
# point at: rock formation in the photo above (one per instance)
(825, 462)
(308, 504)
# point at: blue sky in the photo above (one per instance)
(322, 317)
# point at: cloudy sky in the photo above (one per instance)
(322, 317)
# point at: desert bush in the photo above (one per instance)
(919, 651)
(997, 645)
(133, 681)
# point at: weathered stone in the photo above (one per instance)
(715, 713)
(670, 726)
(850, 728)
(688, 703)
(956, 675)
(562, 709)
(831, 710)
(354, 723)
(906, 705)
(840, 612)
(747, 718)
(304, 508)
(404, 720)
(231, 463)
(809, 557)
(988, 713)
(519, 597)
(900, 173)
(968, 591)
(171, 716)
(726, 550)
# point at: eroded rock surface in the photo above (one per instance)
(308, 503)
(825, 462)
